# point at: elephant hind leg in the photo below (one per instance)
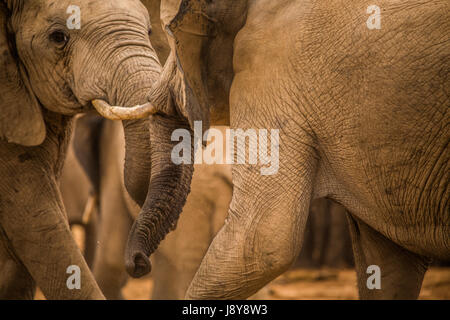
(16, 282)
(401, 272)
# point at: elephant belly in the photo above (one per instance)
(409, 209)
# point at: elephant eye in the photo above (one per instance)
(59, 37)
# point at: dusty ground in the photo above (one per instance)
(317, 284)
(313, 284)
(299, 284)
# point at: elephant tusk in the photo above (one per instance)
(122, 113)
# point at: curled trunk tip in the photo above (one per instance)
(167, 193)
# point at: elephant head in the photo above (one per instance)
(194, 86)
(50, 63)
(60, 57)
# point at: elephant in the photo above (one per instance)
(56, 60)
(361, 115)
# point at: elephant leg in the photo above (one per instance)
(51, 255)
(320, 216)
(181, 252)
(115, 218)
(263, 232)
(305, 258)
(401, 271)
(339, 248)
(109, 267)
(16, 282)
(40, 236)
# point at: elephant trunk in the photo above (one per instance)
(137, 159)
(169, 188)
(153, 180)
(130, 86)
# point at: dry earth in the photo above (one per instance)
(303, 284)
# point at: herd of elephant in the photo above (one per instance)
(362, 116)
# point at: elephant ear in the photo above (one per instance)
(21, 119)
(189, 32)
(201, 36)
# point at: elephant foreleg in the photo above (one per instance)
(109, 268)
(263, 232)
(40, 237)
(401, 272)
(16, 282)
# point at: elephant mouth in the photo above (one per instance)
(123, 113)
